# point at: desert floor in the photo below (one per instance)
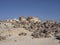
(26, 40)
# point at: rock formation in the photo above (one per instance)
(38, 28)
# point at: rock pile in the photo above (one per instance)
(39, 28)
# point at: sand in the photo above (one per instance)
(15, 39)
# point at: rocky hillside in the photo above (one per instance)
(39, 29)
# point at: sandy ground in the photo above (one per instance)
(26, 40)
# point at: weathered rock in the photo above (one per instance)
(24, 34)
(22, 18)
(37, 27)
(2, 38)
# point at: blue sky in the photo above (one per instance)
(43, 9)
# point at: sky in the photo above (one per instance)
(43, 9)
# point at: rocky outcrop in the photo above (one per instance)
(41, 29)
(38, 28)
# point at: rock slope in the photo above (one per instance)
(32, 25)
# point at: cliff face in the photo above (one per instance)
(38, 28)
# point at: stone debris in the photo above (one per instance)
(38, 28)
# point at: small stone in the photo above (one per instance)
(2, 38)
(15, 40)
(22, 34)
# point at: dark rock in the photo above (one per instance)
(2, 38)
(24, 34)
